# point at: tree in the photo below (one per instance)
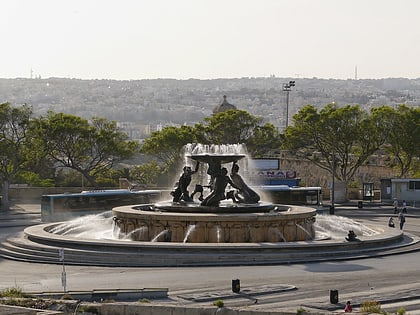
(403, 136)
(230, 127)
(147, 173)
(14, 139)
(336, 139)
(167, 144)
(88, 148)
(265, 140)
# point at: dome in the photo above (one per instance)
(224, 106)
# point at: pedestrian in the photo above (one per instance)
(348, 308)
(395, 205)
(401, 217)
(351, 237)
(404, 206)
(391, 222)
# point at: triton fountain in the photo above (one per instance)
(222, 222)
(242, 218)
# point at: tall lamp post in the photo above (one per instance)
(287, 87)
(333, 170)
(333, 166)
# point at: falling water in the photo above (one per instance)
(304, 230)
(101, 226)
(214, 149)
(98, 226)
(156, 238)
(218, 233)
(222, 149)
(337, 227)
(191, 228)
(141, 230)
(278, 233)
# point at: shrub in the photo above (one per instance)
(371, 307)
(144, 300)
(12, 292)
(300, 311)
(219, 303)
(401, 311)
(29, 303)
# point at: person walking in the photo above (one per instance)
(404, 206)
(395, 205)
(401, 217)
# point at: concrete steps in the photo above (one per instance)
(35, 244)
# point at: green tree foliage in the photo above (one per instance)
(167, 144)
(402, 129)
(230, 127)
(33, 179)
(14, 139)
(336, 139)
(88, 148)
(265, 140)
(147, 173)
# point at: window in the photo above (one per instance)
(414, 184)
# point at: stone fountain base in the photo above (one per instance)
(191, 223)
(38, 244)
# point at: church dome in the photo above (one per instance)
(224, 106)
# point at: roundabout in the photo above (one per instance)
(38, 244)
(225, 228)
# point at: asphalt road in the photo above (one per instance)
(388, 279)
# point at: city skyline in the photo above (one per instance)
(129, 40)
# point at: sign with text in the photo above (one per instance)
(275, 174)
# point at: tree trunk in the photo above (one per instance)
(91, 180)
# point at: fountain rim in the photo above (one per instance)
(40, 232)
(225, 207)
(282, 210)
(221, 158)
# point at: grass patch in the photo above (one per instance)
(371, 307)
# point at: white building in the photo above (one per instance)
(407, 189)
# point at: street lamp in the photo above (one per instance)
(333, 168)
(287, 87)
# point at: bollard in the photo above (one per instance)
(236, 286)
(334, 296)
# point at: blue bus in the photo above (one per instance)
(60, 207)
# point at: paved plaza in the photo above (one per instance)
(393, 279)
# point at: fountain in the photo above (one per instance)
(242, 218)
(222, 222)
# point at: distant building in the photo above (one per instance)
(224, 106)
(401, 189)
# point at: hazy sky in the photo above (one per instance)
(206, 39)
